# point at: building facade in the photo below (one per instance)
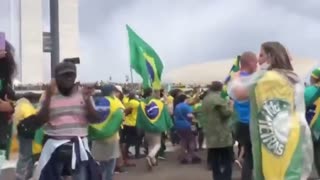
(24, 24)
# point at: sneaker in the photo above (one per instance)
(238, 163)
(161, 157)
(149, 163)
(184, 161)
(140, 156)
(120, 170)
(196, 160)
(154, 161)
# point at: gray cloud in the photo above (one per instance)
(188, 31)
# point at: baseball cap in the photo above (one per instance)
(119, 88)
(107, 90)
(65, 67)
(316, 73)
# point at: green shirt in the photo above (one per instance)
(312, 100)
(198, 114)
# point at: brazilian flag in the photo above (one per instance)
(278, 132)
(111, 109)
(234, 69)
(153, 116)
(145, 61)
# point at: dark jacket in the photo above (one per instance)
(5, 123)
(217, 113)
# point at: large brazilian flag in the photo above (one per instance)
(145, 61)
(153, 116)
(111, 109)
(278, 130)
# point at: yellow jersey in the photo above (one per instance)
(125, 101)
(131, 119)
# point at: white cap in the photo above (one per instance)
(119, 88)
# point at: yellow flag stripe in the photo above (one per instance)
(160, 106)
(275, 167)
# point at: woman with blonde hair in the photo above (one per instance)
(281, 139)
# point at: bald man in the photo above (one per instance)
(248, 62)
(248, 65)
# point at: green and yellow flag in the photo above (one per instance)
(153, 116)
(234, 69)
(37, 142)
(278, 130)
(312, 100)
(145, 61)
(111, 109)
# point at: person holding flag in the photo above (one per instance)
(153, 115)
(280, 136)
(248, 66)
(145, 61)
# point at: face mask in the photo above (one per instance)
(65, 91)
(264, 66)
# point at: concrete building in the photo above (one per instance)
(24, 27)
(32, 56)
(69, 28)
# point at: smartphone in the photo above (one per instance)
(2, 41)
(75, 60)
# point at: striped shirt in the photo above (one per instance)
(67, 117)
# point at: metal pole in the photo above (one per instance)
(131, 74)
(54, 31)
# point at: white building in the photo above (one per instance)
(24, 30)
(204, 73)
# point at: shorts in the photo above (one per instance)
(129, 135)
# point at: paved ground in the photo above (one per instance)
(168, 169)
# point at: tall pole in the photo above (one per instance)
(54, 32)
(131, 74)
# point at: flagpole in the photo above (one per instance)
(131, 74)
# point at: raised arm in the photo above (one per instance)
(92, 115)
(43, 113)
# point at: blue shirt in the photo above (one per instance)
(181, 119)
(242, 108)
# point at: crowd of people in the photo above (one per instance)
(269, 113)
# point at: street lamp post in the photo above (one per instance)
(54, 32)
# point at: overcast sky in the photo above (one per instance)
(191, 31)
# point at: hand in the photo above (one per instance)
(51, 89)
(6, 105)
(165, 96)
(231, 103)
(3, 54)
(86, 92)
